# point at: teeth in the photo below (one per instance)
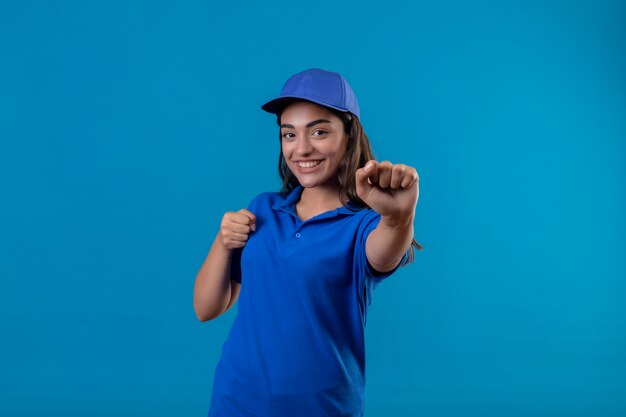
(309, 164)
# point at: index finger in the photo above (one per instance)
(250, 217)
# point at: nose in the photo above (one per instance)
(304, 146)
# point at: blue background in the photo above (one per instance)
(128, 129)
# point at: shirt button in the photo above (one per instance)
(297, 234)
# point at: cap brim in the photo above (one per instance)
(278, 104)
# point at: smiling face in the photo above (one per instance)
(313, 143)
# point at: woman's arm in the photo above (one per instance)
(214, 291)
(388, 242)
(392, 190)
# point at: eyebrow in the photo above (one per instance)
(314, 122)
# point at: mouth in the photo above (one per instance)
(308, 166)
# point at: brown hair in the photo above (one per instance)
(358, 152)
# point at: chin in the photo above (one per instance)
(313, 183)
(310, 181)
(307, 184)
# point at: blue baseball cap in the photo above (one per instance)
(319, 86)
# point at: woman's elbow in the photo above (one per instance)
(205, 314)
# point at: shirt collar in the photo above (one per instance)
(288, 203)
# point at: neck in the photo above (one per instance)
(324, 197)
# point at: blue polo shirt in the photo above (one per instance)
(297, 344)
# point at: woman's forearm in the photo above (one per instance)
(388, 242)
(212, 289)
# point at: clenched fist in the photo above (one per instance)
(392, 190)
(235, 228)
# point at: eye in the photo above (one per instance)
(286, 135)
(320, 131)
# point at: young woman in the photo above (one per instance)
(303, 262)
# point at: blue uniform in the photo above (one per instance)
(297, 345)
